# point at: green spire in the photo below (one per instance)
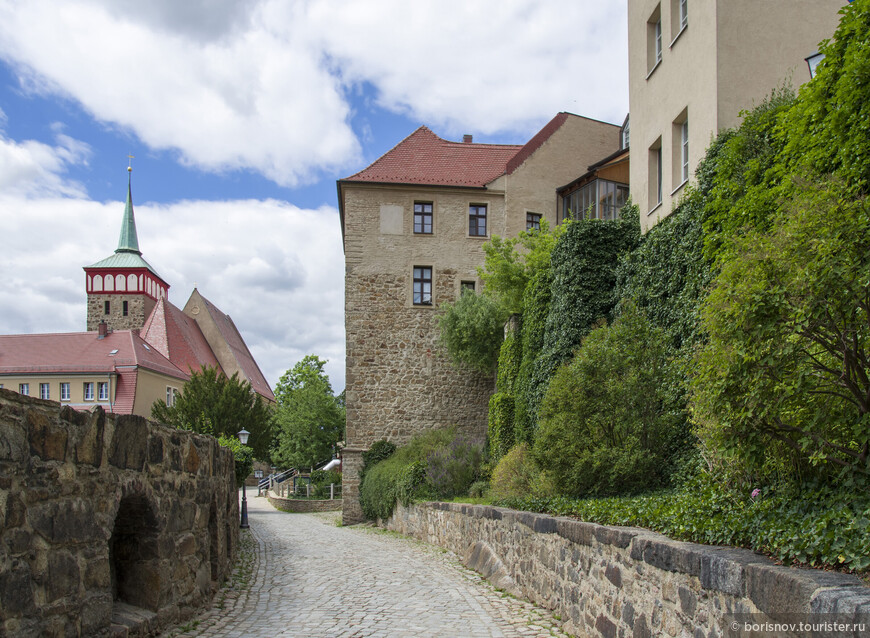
(128, 242)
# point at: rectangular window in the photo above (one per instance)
(684, 135)
(89, 391)
(477, 220)
(422, 286)
(106, 308)
(124, 308)
(655, 174)
(533, 221)
(684, 14)
(64, 391)
(44, 391)
(599, 199)
(103, 390)
(24, 388)
(170, 396)
(466, 285)
(423, 218)
(654, 39)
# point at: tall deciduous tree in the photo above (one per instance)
(309, 419)
(212, 403)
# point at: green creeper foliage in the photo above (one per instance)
(243, 457)
(828, 130)
(212, 403)
(472, 329)
(537, 307)
(501, 424)
(517, 476)
(309, 419)
(606, 425)
(786, 371)
(583, 268)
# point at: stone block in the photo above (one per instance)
(47, 439)
(129, 442)
(155, 449)
(779, 591)
(89, 448)
(64, 521)
(191, 459)
(16, 591)
(13, 442)
(63, 576)
(688, 601)
(613, 574)
(15, 512)
(672, 556)
(842, 600)
(605, 626)
(96, 614)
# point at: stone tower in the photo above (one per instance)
(123, 288)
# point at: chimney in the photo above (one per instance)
(466, 139)
(103, 330)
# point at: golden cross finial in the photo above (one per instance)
(130, 165)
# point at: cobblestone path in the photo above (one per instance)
(304, 576)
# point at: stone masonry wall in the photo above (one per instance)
(622, 581)
(399, 380)
(106, 518)
(139, 307)
(303, 505)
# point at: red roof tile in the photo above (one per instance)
(239, 349)
(178, 338)
(425, 158)
(125, 392)
(80, 352)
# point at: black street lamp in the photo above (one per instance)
(243, 439)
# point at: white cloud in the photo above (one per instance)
(271, 86)
(34, 168)
(236, 253)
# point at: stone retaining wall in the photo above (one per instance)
(622, 581)
(303, 505)
(108, 524)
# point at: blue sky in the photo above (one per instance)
(241, 116)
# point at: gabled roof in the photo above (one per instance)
(424, 158)
(535, 143)
(233, 353)
(81, 353)
(177, 337)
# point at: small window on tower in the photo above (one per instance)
(124, 309)
(107, 308)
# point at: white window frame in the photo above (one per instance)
(24, 389)
(88, 390)
(45, 391)
(64, 391)
(103, 391)
(684, 150)
(684, 14)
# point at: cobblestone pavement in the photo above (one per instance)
(302, 575)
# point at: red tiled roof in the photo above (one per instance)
(125, 392)
(178, 338)
(80, 352)
(425, 158)
(239, 349)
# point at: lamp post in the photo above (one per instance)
(243, 439)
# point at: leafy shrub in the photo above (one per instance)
(450, 470)
(517, 476)
(326, 477)
(472, 329)
(404, 475)
(606, 424)
(478, 489)
(378, 451)
(818, 524)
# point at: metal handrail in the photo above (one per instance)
(269, 481)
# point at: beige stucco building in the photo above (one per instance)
(694, 65)
(414, 224)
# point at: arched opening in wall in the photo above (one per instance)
(134, 556)
(213, 553)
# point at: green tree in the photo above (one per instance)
(606, 424)
(511, 263)
(472, 329)
(212, 403)
(309, 419)
(243, 457)
(784, 380)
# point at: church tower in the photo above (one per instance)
(123, 288)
